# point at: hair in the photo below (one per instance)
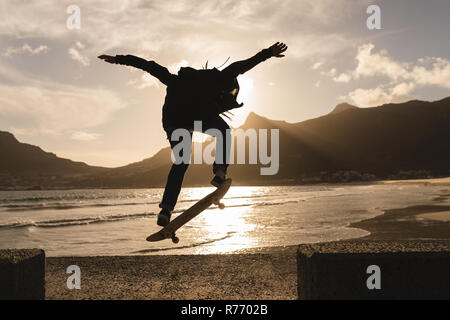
(205, 67)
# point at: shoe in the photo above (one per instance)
(164, 218)
(217, 181)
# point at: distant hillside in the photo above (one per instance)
(26, 165)
(20, 157)
(391, 141)
(403, 140)
(342, 107)
(385, 141)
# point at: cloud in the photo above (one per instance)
(85, 136)
(317, 65)
(369, 97)
(403, 77)
(155, 27)
(30, 131)
(305, 46)
(380, 95)
(370, 65)
(402, 90)
(438, 74)
(80, 45)
(76, 55)
(145, 81)
(427, 71)
(58, 109)
(26, 48)
(343, 77)
(330, 73)
(373, 64)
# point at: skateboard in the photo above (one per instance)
(168, 232)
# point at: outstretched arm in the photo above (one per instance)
(151, 67)
(240, 67)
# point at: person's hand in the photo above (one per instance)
(107, 58)
(277, 49)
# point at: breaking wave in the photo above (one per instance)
(76, 221)
(112, 218)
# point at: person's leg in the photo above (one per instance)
(173, 184)
(223, 144)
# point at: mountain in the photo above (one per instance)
(27, 165)
(403, 140)
(342, 107)
(22, 157)
(382, 141)
(391, 141)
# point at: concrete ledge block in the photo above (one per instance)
(22, 274)
(374, 270)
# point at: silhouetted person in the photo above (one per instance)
(196, 95)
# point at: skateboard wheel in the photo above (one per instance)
(221, 206)
(175, 240)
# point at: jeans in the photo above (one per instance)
(176, 174)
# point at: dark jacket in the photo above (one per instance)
(179, 110)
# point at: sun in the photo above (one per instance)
(246, 88)
(244, 96)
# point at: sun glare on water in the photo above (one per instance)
(228, 229)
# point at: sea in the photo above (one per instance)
(99, 222)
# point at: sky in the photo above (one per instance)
(56, 94)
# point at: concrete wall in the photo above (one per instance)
(22, 274)
(407, 270)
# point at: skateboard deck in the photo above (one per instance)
(168, 232)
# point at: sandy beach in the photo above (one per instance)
(426, 222)
(263, 274)
(266, 273)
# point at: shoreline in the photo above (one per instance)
(420, 222)
(416, 216)
(258, 273)
(406, 224)
(268, 273)
(434, 180)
